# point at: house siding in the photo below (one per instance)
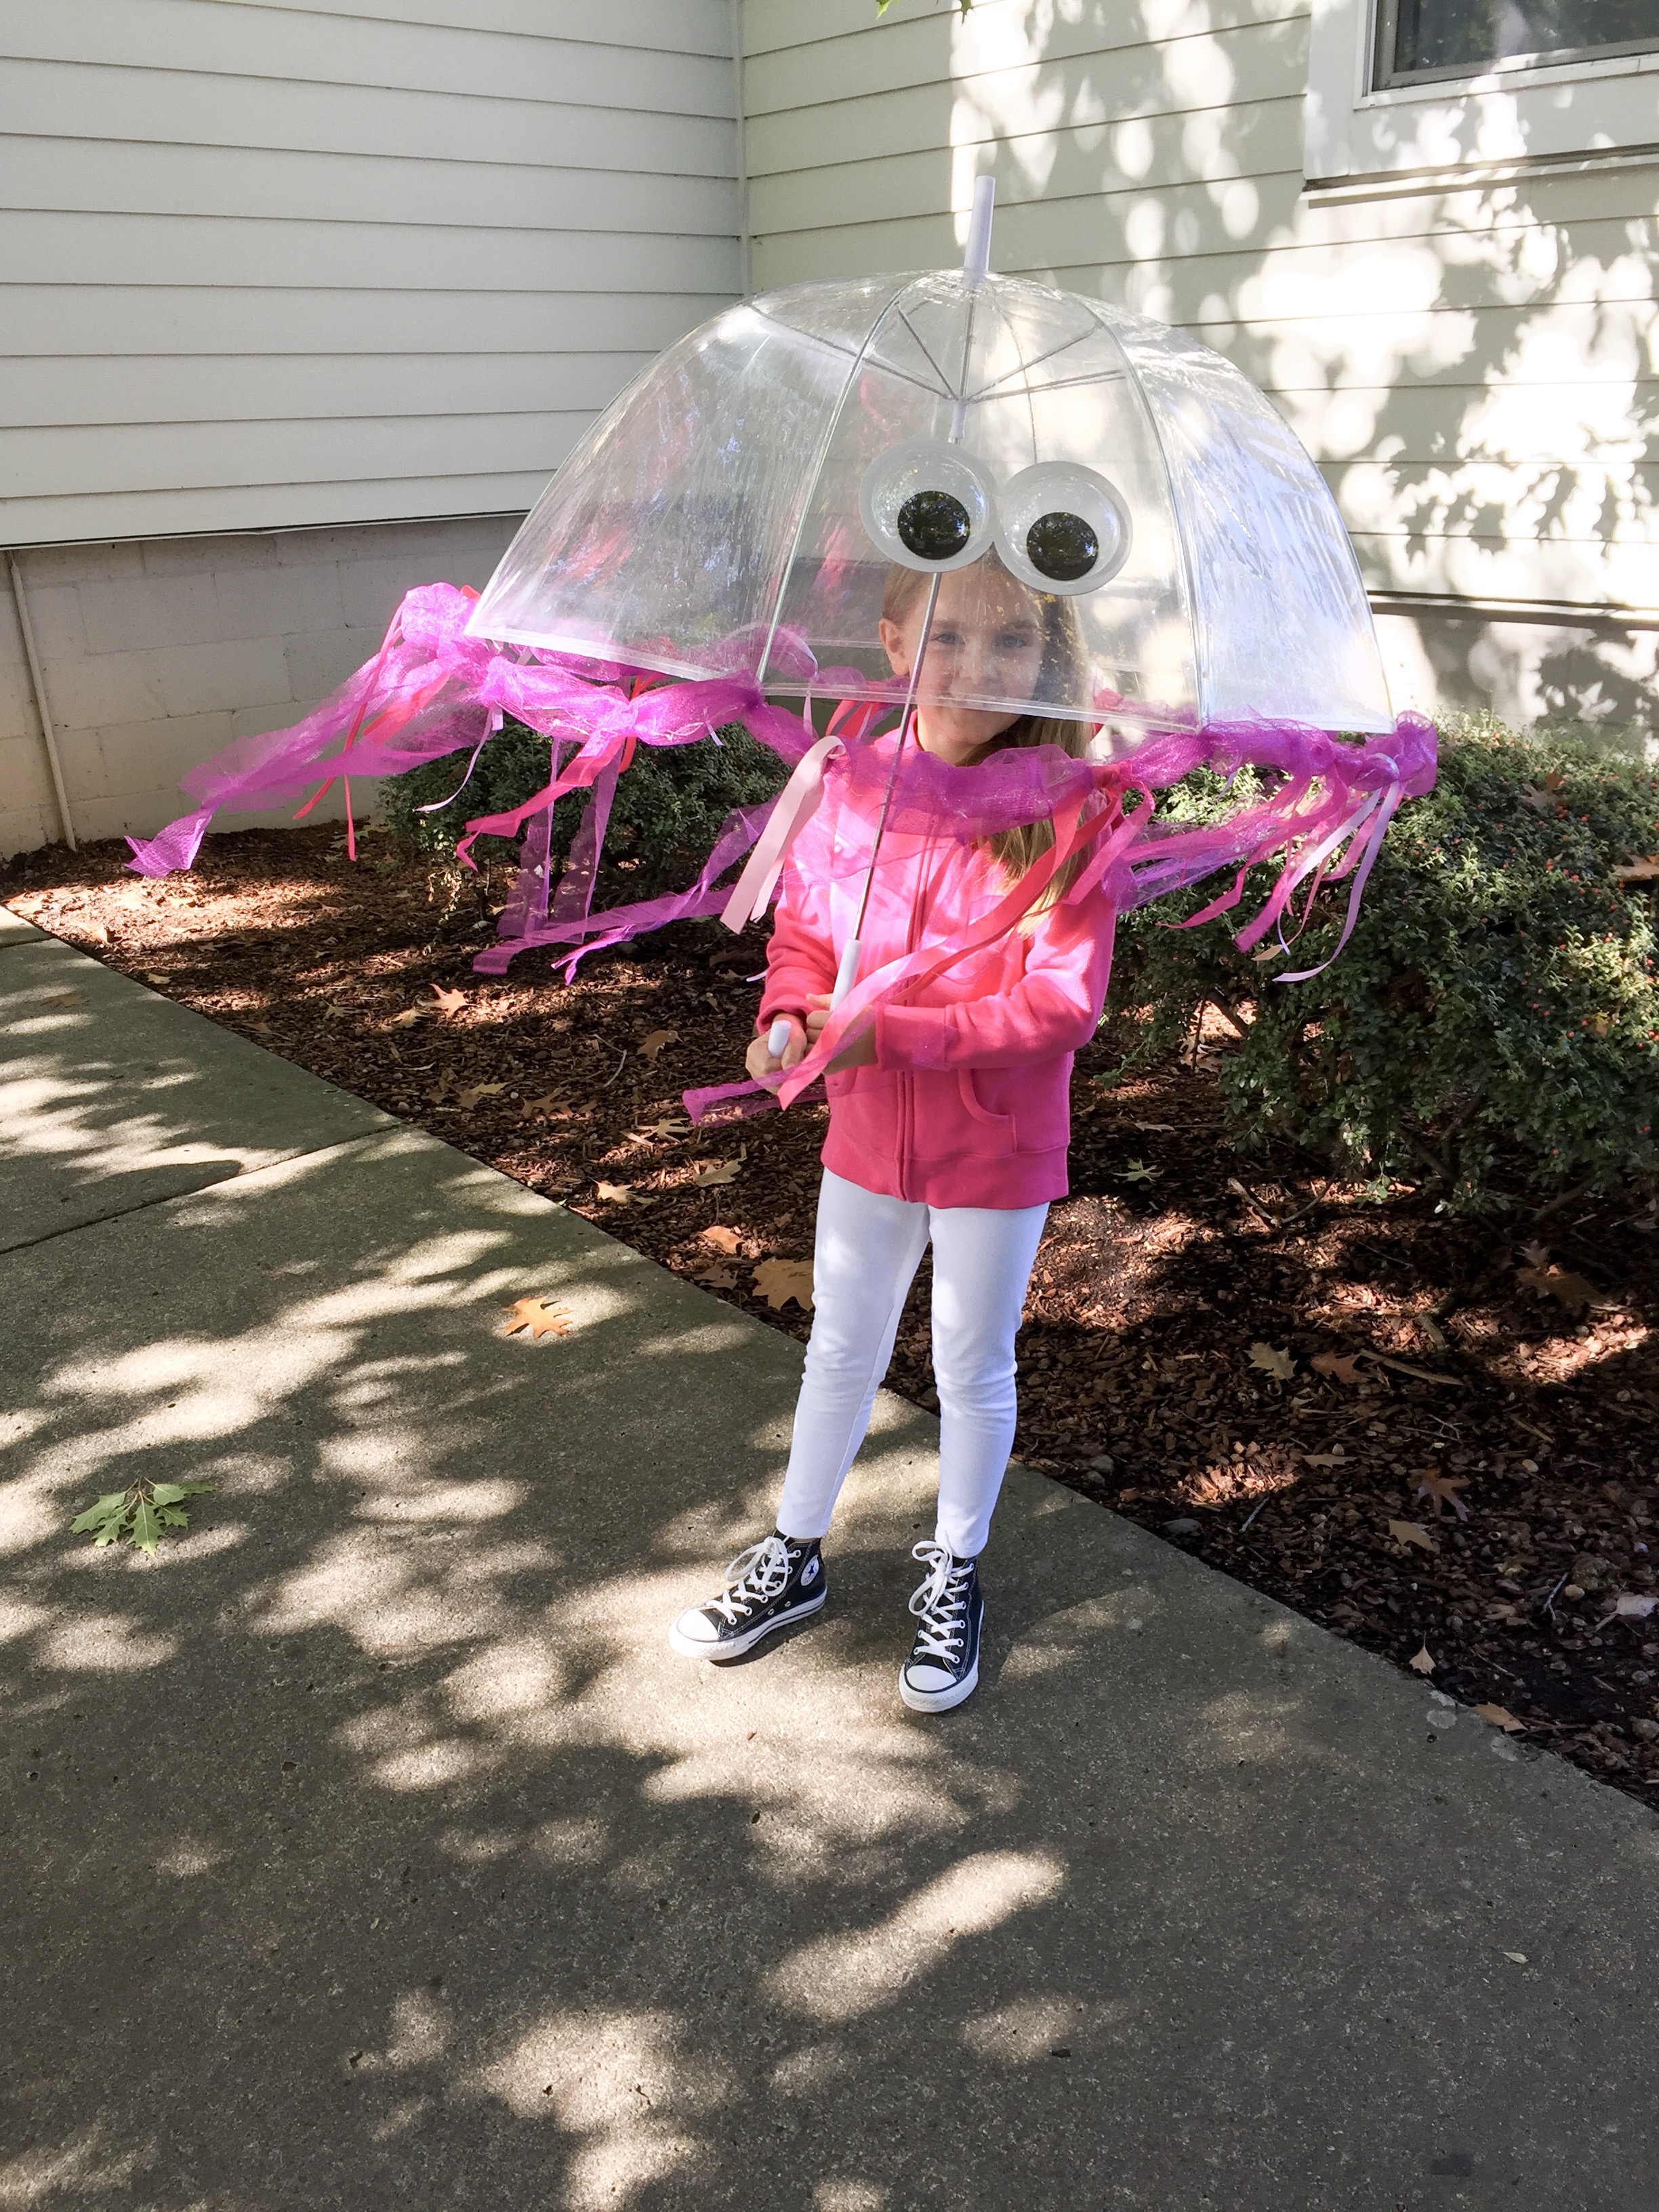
(1474, 369)
(279, 266)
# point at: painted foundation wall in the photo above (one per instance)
(156, 655)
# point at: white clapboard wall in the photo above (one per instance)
(341, 261)
(1476, 369)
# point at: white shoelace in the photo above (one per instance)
(941, 1603)
(753, 1577)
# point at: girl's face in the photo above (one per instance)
(987, 636)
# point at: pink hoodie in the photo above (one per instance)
(969, 1101)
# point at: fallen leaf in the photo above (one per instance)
(469, 1098)
(1567, 1288)
(1279, 1364)
(538, 1317)
(723, 1240)
(718, 1276)
(615, 1194)
(1443, 1489)
(448, 1002)
(1541, 802)
(1536, 1255)
(1519, 1957)
(1421, 1664)
(1510, 1726)
(717, 1172)
(1341, 1366)
(1643, 870)
(1413, 1532)
(97, 931)
(661, 1129)
(547, 1104)
(779, 1281)
(60, 997)
(1154, 1128)
(1325, 1459)
(1138, 1171)
(653, 1041)
(409, 1016)
(150, 977)
(1268, 952)
(1632, 1608)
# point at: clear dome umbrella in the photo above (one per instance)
(743, 508)
(739, 509)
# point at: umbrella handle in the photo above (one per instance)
(847, 974)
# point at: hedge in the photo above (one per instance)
(1494, 1016)
(667, 811)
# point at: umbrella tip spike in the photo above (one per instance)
(976, 261)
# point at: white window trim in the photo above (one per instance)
(1580, 113)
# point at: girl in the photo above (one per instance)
(949, 1122)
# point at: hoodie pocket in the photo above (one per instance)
(977, 1110)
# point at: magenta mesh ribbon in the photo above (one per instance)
(432, 691)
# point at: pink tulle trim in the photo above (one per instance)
(432, 691)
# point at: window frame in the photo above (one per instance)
(1509, 114)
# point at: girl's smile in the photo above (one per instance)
(986, 639)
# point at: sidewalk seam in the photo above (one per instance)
(173, 1197)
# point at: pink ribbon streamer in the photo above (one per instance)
(794, 808)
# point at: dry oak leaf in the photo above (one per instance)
(409, 1016)
(718, 1276)
(1635, 871)
(723, 1240)
(1501, 1718)
(1569, 1289)
(1337, 1458)
(717, 1172)
(1279, 1364)
(448, 1002)
(1443, 1489)
(547, 1104)
(1413, 1532)
(653, 1041)
(661, 1129)
(778, 1281)
(615, 1194)
(471, 1097)
(1341, 1366)
(538, 1317)
(1421, 1664)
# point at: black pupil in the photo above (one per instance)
(1063, 546)
(933, 524)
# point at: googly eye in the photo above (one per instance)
(927, 506)
(1062, 528)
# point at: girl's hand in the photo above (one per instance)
(761, 1063)
(857, 1052)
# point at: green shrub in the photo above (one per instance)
(1497, 998)
(669, 804)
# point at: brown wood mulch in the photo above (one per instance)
(1434, 1436)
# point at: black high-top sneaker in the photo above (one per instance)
(774, 1582)
(942, 1668)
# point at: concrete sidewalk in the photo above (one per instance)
(371, 1849)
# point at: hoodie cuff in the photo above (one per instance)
(914, 1036)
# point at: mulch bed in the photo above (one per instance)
(1434, 1436)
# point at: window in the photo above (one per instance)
(1441, 89)
(1420, 41)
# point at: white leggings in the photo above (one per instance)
(867, 1251)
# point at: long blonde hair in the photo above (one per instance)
(1018, 849)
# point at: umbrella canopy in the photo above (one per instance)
(742, 509)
